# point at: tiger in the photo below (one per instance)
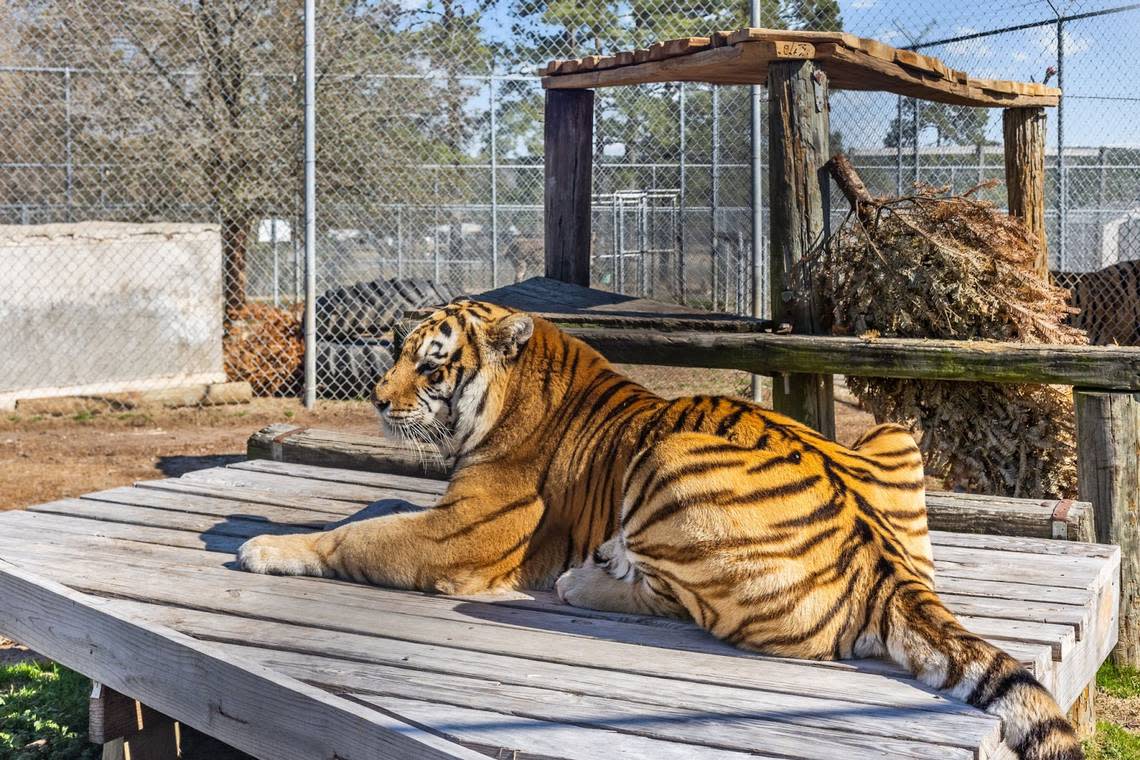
(564, 469)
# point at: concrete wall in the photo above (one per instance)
(101, 306)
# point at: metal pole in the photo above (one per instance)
(759, 257)
(494, 189)
(276, 264)
(643, 233)
(916, 128)
(715, 187)
(69, 147)
(310, 204)
(680, 228)
(898, 147)
(400, 240)
(1062, 185)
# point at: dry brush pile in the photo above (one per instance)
(953, 267)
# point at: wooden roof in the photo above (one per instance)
(742, 57)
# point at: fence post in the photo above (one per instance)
(1023, 131)
(798, 123)
(568, 136)
(494, 187)
(310, 204)
(1108, 472)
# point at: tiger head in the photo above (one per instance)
(446, 387)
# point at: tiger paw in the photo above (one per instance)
(575, 585)
(282, 555)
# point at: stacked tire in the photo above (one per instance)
(355, 330)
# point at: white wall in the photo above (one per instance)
(105, 306)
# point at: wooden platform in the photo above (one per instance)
(743, 56)
(135, 588)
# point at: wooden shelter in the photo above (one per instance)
(799, 69)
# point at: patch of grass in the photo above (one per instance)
(1111, 742)
(84, 416)
(43, 713)
(288, 414)
(1119, 682)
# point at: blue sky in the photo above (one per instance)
(1102, 59)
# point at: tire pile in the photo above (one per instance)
(355, 330)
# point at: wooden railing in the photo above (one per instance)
(1106, 395)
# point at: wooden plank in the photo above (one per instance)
(249, 495)
(209, 505)
(852, 69)
(239, 480)
(431, 486)
(1023, 130)
(737, 725)
(337, 449)
(489, 733)
(798, 134)
(852, 63)
(1071, 520)
(569, 150)
(1023, 544)
(239, 703)
(133, 515)
(1094, 367)
(1108, 474)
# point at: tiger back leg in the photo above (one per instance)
(609, 581)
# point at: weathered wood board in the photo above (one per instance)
(135, 587)
(743, 57)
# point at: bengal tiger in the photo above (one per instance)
(757, 527)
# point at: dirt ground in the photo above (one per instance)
(47, 458)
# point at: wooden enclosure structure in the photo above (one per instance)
(799, 68)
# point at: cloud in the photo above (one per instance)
(862, 5)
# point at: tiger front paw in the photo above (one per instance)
(282, 555)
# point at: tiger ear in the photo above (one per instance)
(510, 334)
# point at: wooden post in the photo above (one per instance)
(569, 146)
(1024, 133)
(1108, 472)
(798, 124)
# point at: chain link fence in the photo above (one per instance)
(151, 163)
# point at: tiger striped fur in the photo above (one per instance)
(543, 431)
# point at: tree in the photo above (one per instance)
(195, 106)
(952, 125)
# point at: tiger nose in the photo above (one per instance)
(379, 400)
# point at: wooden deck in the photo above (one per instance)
(135, 588)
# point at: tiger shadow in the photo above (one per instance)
(533, 610)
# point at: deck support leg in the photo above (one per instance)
(1108, 471)
(1082, 714)
(1024, 135)
(798, 125)
(569, 146)
(129, 729)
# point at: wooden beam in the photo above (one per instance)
(1024, 133)
(798, 126)
(1108, 472)
(569, 145)
(1101, 367)
(112, 715)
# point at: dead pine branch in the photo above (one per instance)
(934, 265)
